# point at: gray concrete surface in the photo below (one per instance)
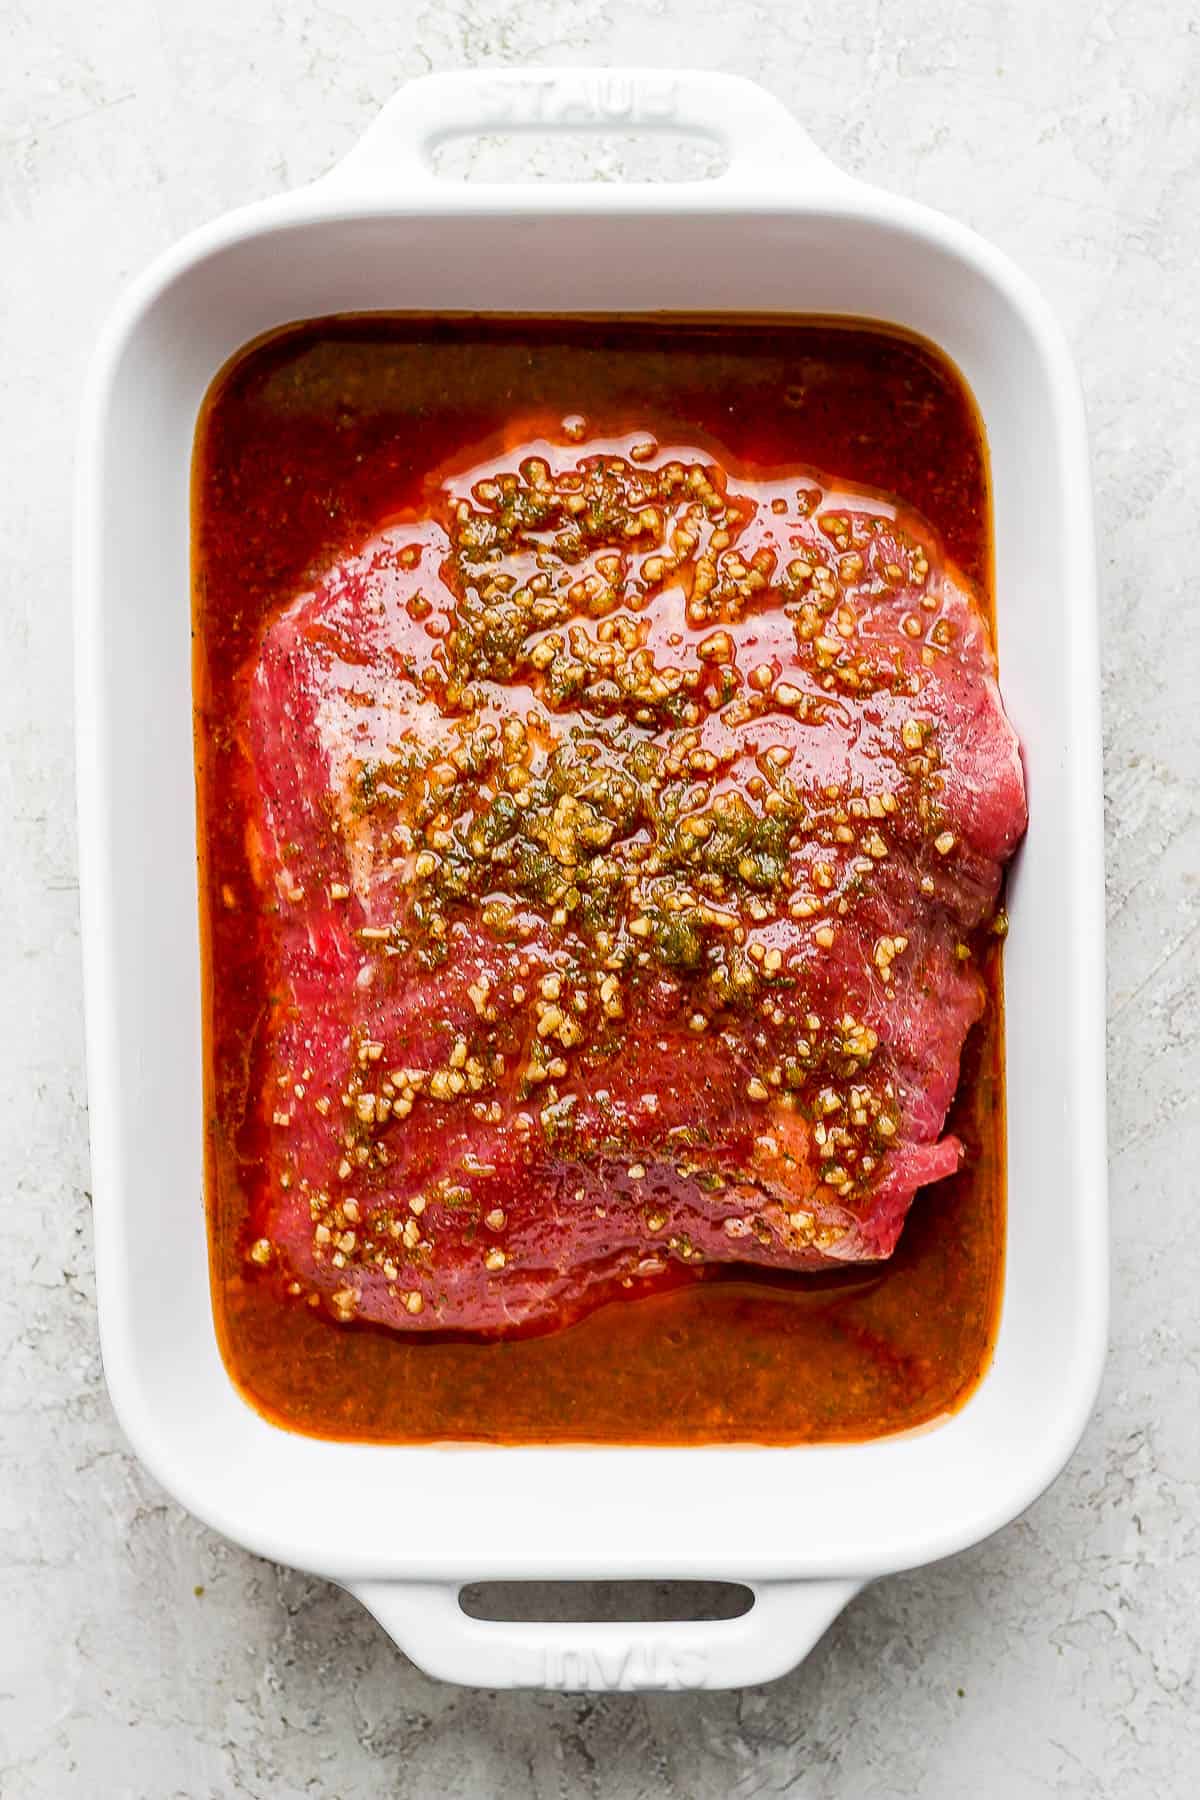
(140, 1655)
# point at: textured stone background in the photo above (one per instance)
(141, 1656)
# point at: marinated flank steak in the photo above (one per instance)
(628, 822)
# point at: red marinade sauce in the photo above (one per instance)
(309, 442)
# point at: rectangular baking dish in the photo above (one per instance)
(403, 1527)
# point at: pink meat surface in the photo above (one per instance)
(628, 824)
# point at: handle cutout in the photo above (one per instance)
(605, 1602)
(583, 154)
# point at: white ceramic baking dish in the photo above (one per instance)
(780, 230)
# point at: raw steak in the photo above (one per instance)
(628, 824)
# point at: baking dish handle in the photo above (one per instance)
(426, 1620)
(764, 145)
